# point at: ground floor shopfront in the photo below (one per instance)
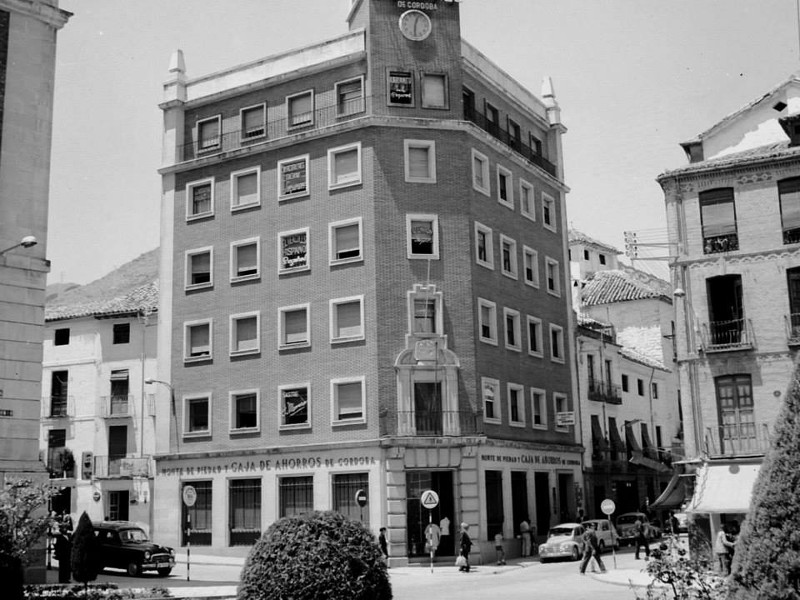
(490, 485)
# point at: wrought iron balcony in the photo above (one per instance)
(115, 467)
(720, 243)
(58, 406)
(602, 391)
(793, 329)
(437, 423)
(509, 140)
(738, 439)
(723, 336)
(117, 406)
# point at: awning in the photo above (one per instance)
(616, 441)
(724, 488)
(630, 438)
(637, 458)
(650, 450)
(675, 494)
(598, 439)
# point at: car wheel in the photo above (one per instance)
(133, 569)
(164, 572)
(602, 546)
(575, 553)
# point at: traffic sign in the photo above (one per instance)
(429, 499)
(607, 506)
(189, 495)
(361, 498)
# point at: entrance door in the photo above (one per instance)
(117, 447)
(519, 498)
(541, 486)
(417, 518)
(793, 281)
(118, 502)
(566, 496)
(428, 407)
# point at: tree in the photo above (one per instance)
(320, 555)
(767, 559)
(84, 555)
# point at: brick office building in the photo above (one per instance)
(364, 286)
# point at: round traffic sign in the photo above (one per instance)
(429, 499)
(607, 506)
(361, 498)
(189, 495)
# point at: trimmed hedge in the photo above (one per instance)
(322, 555)
(100, 591)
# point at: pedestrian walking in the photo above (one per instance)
(642, 533)
(591, 549)
(499, 549)
(465, 546)
(383, 544)
(723, 550)
(64, 554)
(525, 534)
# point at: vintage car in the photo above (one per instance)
(563, 541)
(626, 527)
(607, 535)
(124, 545)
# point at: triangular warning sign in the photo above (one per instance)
(428, 498)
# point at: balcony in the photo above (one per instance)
(743, 439)
(58, 407)
(117, 407)
(726, 336)
(602, 391)
(114, 467)
(274, 130)
(509, 140)
(720, 243)
(437, 423)
(793, 329)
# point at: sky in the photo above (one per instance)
(634, 78)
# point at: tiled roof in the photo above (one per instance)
(585, 320)
(769, 152)
(143, 299)
(605, 287)
(578, 237)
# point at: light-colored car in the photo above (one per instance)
(563, 541)
(607, 535)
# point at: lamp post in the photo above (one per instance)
(27, 242)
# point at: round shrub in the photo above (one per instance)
(321, 555)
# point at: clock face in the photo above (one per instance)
(415, 25)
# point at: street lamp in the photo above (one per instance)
(27, 242)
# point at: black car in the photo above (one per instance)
(124, 545)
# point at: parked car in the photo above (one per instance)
(124, 545)
(656, 529)
(607, 535)
(563, 541)
(625, 527)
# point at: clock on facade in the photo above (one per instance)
(415, 25)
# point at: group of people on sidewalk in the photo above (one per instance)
(724, 546)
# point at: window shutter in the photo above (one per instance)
(418, 167)
(345, 166)
(300, 109)
(295, 326)
(247, 334)
(347, 244)
(247, 189)
(209, 133)
(199, 341)
(434, 90)
(253, 122)
(348, 320)
(349, 400)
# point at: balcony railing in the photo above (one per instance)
(57, 407)
(435, 423)
(793, 329)
(602, 391)
(737, 439)
(720, 243)
(117, 406)
(735, 334)
(274, 130)
(110, 467)
(509, 140)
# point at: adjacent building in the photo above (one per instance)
(734, 221)
(364, 286)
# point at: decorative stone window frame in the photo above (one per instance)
(481, 158)
(538, 336)
(235, 176)
(210, 148)
(334, 304)
(490, 384)
(527, 208)
(282, 195)
(539, 396)
(506, 175)
(557, 350)
(422, 292)
(233, 340)
(351, 180)
(559, 397)
(513, 271)
(282, 425)
(430, 147)
(233, 396)
(190, 187)
(234, 259)
(186, 401)
(548, 202)
(520, 393)
(282, 312)
(290, 117)
(434, 221)
(281, 237)
(553, 265)
(257, 134)
(492, 307)
(333, 248)
(489, 238)
(334, 391)
(188, 272)
(187, 331)
(514, 315)
(530, 257)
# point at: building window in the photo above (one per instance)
(789, 193)
(508, 257)
(556, 343)
(293, 251)
(553, 276)
(197, 340)
(244, 336)
(253, 121)
(120, 390)
(736, 416)
(534, 336)
(516, 405)
(295, 496)
(548, 212)
(244, 411)
(400, 88)
(347, 396)
(424, 315)
(344, 166)
(539, 408)
(625, 385)
(345, 486)
(59, 393)
(345, 241)
(246, 188)
(487, 321)
(640, 387)
(514, 134)
(300, 109)
(422, 236)
(294, 406)
(208, 134)
(530, 262)
(420, 161)
(196, 412)
(491, 400)
(245, 259)
(654, 389)
(718, 217)
(244, 512)
(350, 97)
(200, 199)
(347, 319)
(526, 200)
(602, 258)
(121, 333)
(200, 515)
(480, 173)
(536, 145)
(512, 329)
(562, 406)
(484, 246)
(492, 119)
(585, 255)
(294, 326)
(61, 337)
(434, 91)
(198, 268)
(293, 177)
(505, 187)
